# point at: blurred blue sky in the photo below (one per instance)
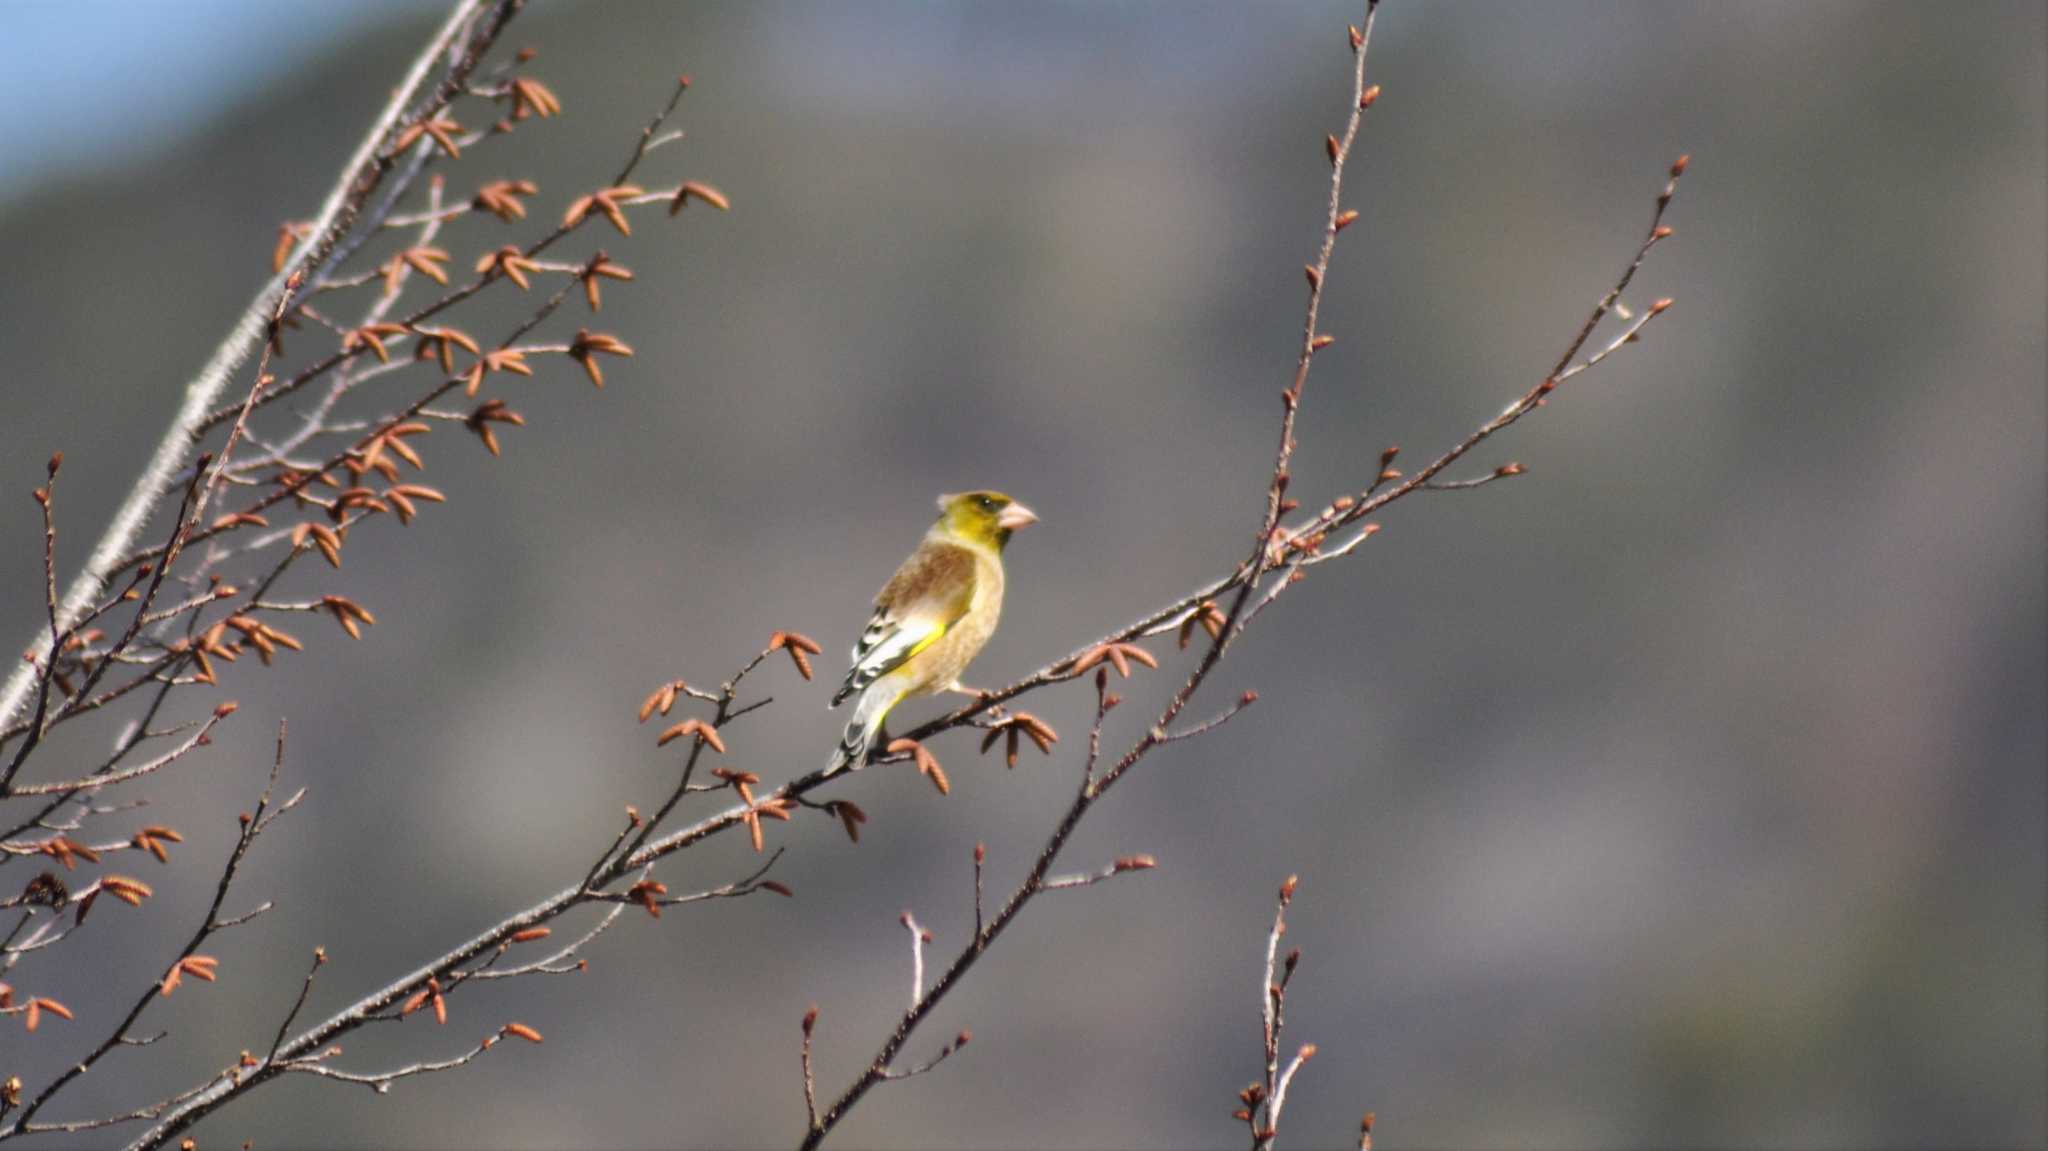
(86, 78)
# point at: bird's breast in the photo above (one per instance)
(949, 657)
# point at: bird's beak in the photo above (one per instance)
(1015, 516)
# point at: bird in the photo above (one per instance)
(932, 617)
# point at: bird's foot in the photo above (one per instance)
(994, 711)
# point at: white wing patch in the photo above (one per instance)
(884, 646)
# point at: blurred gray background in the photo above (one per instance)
(1688, 791)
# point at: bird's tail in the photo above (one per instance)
(860, 731)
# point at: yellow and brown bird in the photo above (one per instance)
(932, 617)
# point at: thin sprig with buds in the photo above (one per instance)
(1261, 1103)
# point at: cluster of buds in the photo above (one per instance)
(426, 996)
(1015, 727)
(1117, 654)
(200, 967)
(800, 648)
(927, 763)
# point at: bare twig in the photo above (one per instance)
(305, 991)
(1090, 879)
(381, 1081)
(108, 779)
(980, 856)
(918, 938)
(1264, 1101)
(810, 1080)
(959, 1041)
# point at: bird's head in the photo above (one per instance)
(985, 518)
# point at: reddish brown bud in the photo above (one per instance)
(1287, 888)
(702, 730)
(927, 763)
(129, 891)
(1662, 231)
(1346, 218)
(1678, 165)
(850, 816)
(1331, 146)
(810, 1019)
(800, 648)
(661, 699)
(50, 1005)
(1367, 98)
(704, 192)
(1660, 305)
(56, 461)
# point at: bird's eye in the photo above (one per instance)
(987, 504)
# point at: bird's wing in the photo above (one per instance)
(926, 596)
